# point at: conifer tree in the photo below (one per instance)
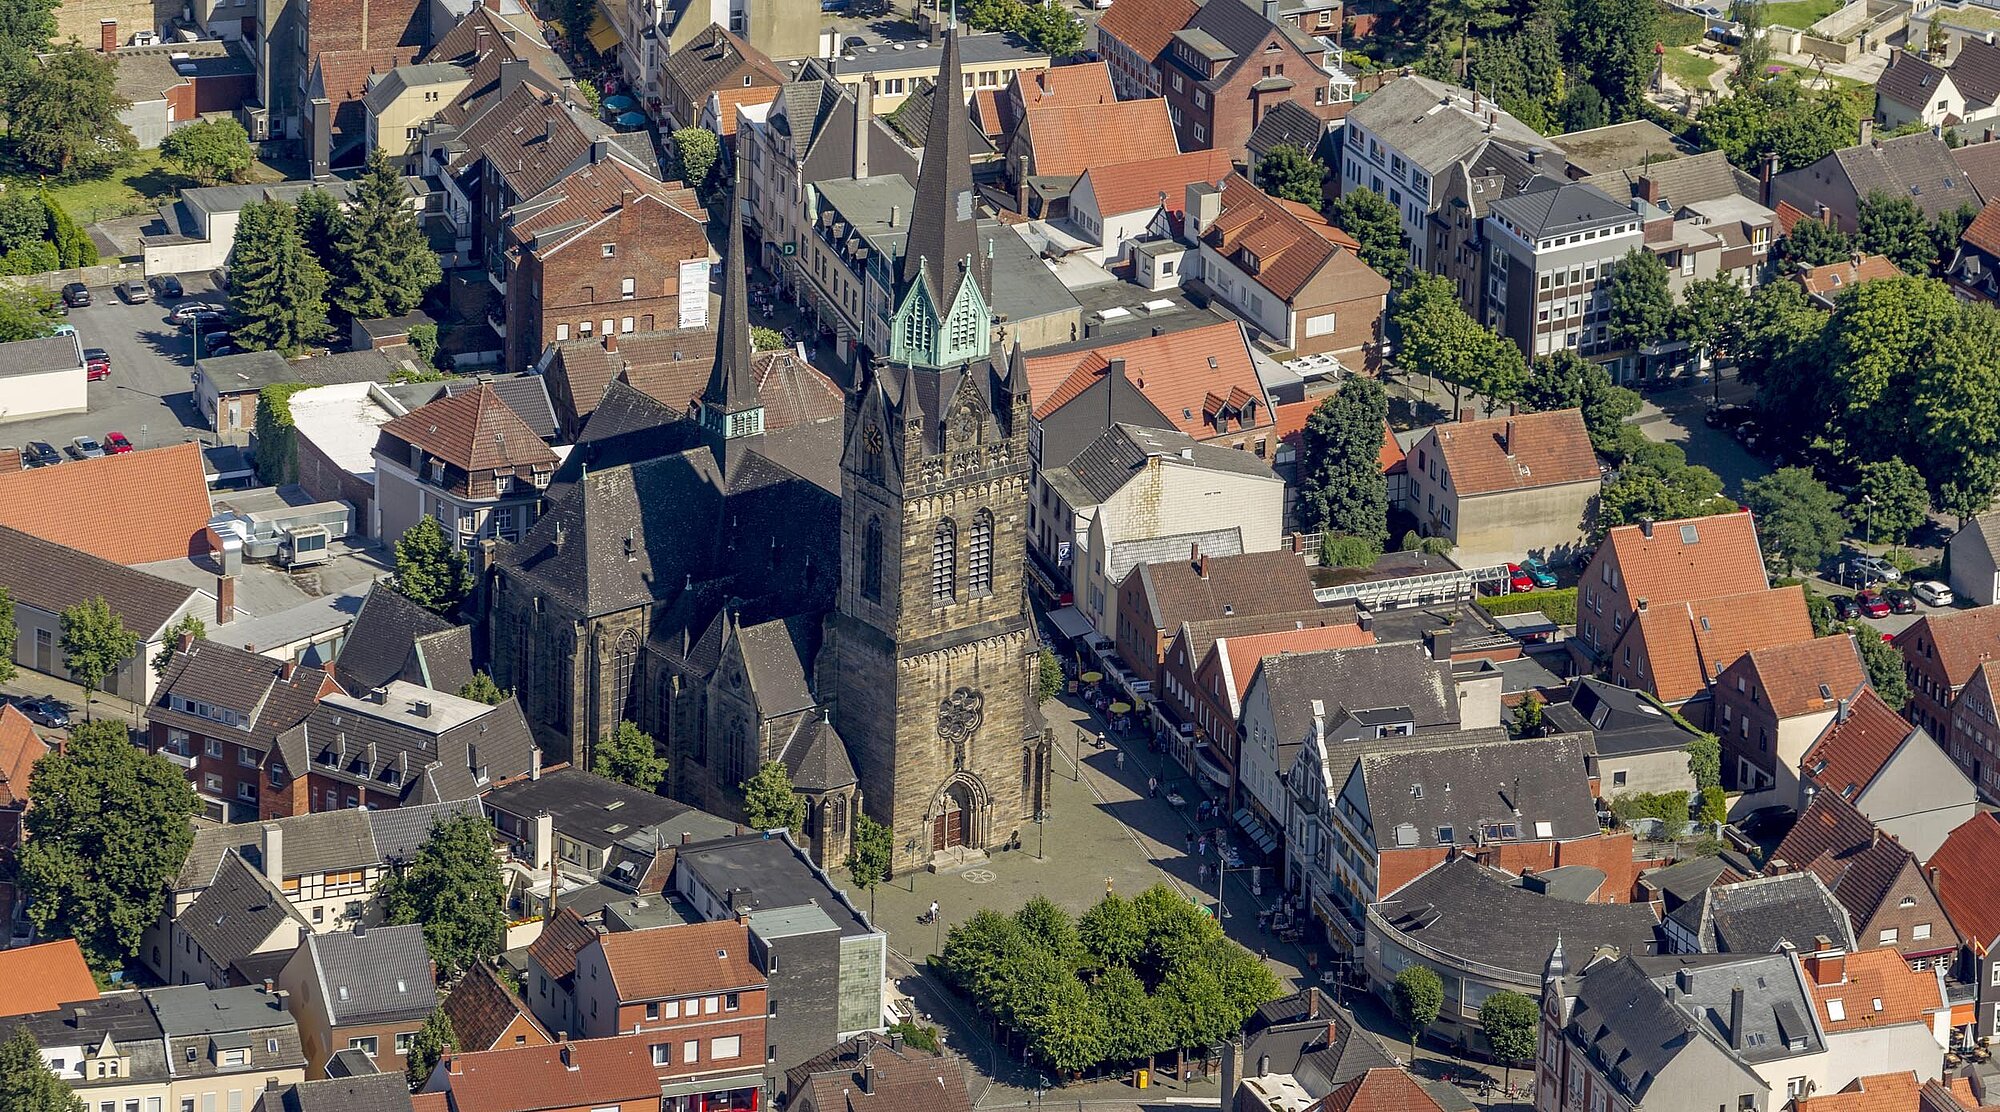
(277, 289)
(386, 265)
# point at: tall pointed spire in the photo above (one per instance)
(944, 223)
(729, 406)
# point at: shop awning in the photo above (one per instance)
(1965, 1015)
(712, 1085)
(1069, 621)
(1254, 826)
(603, 34)
(1204, 759)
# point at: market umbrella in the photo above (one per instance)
(632, 119)
(1121, 708)
(1091, 677)
(620, 103)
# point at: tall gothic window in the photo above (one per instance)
(871, 560)
(917, 328)
(979, 556)
(965, 328)
(944, 562)
(625, 660)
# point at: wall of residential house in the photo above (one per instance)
(1644, 772)
(1901, 1048)
(808, 1019)
(1356, 325)
(226, 773)
(553, 1005)
(389, 130)
(1920, 796)
(602, 1014)
(1497, 528)
(579, 290)
(38, 641)
(1257, 770)
(1975, 575)
(326, 481)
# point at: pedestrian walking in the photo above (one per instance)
(1153, 787)
(1121, 760)
(1188, 838)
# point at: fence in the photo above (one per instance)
(96, 277)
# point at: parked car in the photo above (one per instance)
(46, 710)
(217, 343)
(1871, 568)
(63, 329)
(1518, 579)
(116, 443)
(86, 447)
(97, 364)
(1872, 604)
(1845, 608)
(76, 295)
(40, 453)
(868, 9)
(1901, 602)
(166, 286)
(1773, 819)
(134, 291)
(1539, 572)
(1726, 416)
(1933, 592)
(193, 311)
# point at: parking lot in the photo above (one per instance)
(148, 396)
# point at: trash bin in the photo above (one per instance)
(1141, 1078)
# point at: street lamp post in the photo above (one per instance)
(1041, 817)
(1869, 518)
(1076, 757)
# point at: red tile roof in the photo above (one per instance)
(1087, 83)
(571, 207)
(133, 508)
(482, 1010)
(684, 960)
(562, 938)
(1689, 643)
(1136, 186)
(1792, 676)
(580, 1073)
(1517, 453)
(1292, 243)
(732, 97)
(474, 431)
(1241, 655)
(1882, 1092)
(1379, 1090)
(1962, 873)
(40, 978)
(1960, 640)
(1177, 371)
(1069, 139)
(1873, 988)
(1828, 279)
(1722, 558)
(20, 748)
(1146, 26)
(1855, 746)
(1984, 231)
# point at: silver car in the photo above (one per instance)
(1875, 567)
(86, 447)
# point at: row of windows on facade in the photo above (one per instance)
(944, 559)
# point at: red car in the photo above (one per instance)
(1872, 604)
(1519, 580)
(97, 364)
(116, 444)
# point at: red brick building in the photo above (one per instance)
(20, 748)
(583, 1075)
(599, 253)
(1940, 653)
(218, 713)
(1230, 63)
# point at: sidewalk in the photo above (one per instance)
(29, 684)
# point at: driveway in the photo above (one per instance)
(148, 396)
(1675, 416)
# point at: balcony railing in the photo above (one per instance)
(180, 759)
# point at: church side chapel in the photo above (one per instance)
(832, 579)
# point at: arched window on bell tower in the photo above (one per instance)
(871, 560)
(979, 555)
(944, 562)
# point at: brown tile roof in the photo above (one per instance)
(40, 978)
(1873, 988)
(897, 1083)
(529, 138)
(1828, 279)
(714, 56)
(1242, 654)
(562, 937)
(1069, 139)
(1883, 1092)
(342, 75)
(1858, 863)
(1792, 676)
(1291, 424)
(1182, 373)
(1134, 186)
(272, 696)
(482, 1009)
(579, 1073)
(685, 960)
(1960, 640)
(1855, 746)
(132, 508)
(474, 431)
(793, 392)
(1962, 873)
(1291, 244)
(570, 208)
(1981, 165)
(1697, 557)
(1242, 586)
(1788, 216)
(1517, 453)
(1984, 231)
(430, 1102)
(1146, 26)
(20, 748)
(671, 367)
(1379, 1090)
(1689, 643)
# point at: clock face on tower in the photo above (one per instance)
(964, 423)
(872, 440)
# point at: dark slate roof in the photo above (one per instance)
(1539, 783)
(699, 67)
(1910, 80)
(1467, 911)
(1918, 166)
(236, 913)
(628, 426)
(126, 1018)
(1316, 1042)
(322, 842)
(1687, 879)
(597, 811)
(374, 1092)
(252, 687)
(378, 644)
(393, 748)
(767, 872)
(778, 656)
(441, 661)
(1289, 124)
(1757, 915)
(1618, 720)
(1688, 180)
(1626, 1021)
(1399, 674)
(1550, 206)
(381, 974)
(397, 832)
(1637, 1024)
(1123, 452)
(53, 578)
(198, 1017)
(351, 1062)
(816, 757)
(527, 395)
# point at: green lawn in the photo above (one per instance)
(1689, 69)
(1800, 14)
(138, 187)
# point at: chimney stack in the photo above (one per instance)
(107, 35)
(287, 670)
(611, 342)
(271, 844)
(1646, 527)
(225, 599)
(1868, 132)
(868, 1077)
(1826, 965)
(864, 111)
(1736, 1018)
(567, 1062)
(545, 840)
(535, 762)
(1507, 439)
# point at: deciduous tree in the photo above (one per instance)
(95, 644)
(1375, 224)
(694, 151)
(1050, 29)
(189, 625)
(26, 28)
(1292, 173)
(1418, 995)
(1893, 226)
(209, 150)
(629, 756)
(1342, 489)
(1048, 676)
(481, 689)
(431, 569)
(869, 855)
(1890, 500)
(1565, 380)
(769, 801)
(1510, 1021)
(8, 633)
(1885, 667)
(1642, 307)
(1657, 482)
(1710, 315)
(1798, 519)
(428, 1046)
(110, 826)
(453, 887)
(26, 312)
(63, 117)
